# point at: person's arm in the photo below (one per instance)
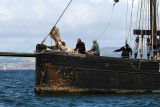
(118, 50)
(93, 48)
(130, 51)
(83, 47)
(76, 47)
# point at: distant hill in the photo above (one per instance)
(107, 51)
(17, 63)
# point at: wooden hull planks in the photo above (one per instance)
(91, 74)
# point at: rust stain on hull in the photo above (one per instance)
(53, 76)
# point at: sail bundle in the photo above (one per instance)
(55, 33)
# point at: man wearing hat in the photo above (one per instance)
(126, 51)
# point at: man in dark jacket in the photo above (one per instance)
(80, 47)
(126, 50)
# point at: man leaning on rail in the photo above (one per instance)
(95, 48)
(80, 46)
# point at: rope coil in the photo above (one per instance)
(138, 66)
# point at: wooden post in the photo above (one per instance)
(153, 20)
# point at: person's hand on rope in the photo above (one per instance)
(74, 51)
(89, 52)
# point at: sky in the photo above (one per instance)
(25, 23)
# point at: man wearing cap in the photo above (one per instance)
(126, 51)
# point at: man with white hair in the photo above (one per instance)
(95, 48)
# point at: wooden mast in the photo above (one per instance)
(153, 21)
(153, 28)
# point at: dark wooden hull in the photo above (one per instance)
(63, 73)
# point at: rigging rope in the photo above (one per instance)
(57, 21)
(145, 9)
(148, 15)
(139, 65)
(142, 23)
(158, 14)
(127, 23)
(130, 26)
(101, 33)
(145, 12)
(156, 24)
(137, 15)
(140, 15)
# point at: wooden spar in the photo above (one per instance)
(16, 54)
(144, 32)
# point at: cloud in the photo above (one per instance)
(4, 14)
(24, 23)
(80, 15)
(97, 1)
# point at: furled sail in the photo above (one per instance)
(55, 35)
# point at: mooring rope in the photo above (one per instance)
(9, 85)
(130, 25)
(139, 66)
(43, 74)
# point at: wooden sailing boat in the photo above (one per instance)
(62, 72)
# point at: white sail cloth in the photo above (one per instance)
(55, 35)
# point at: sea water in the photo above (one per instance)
(17, 90)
